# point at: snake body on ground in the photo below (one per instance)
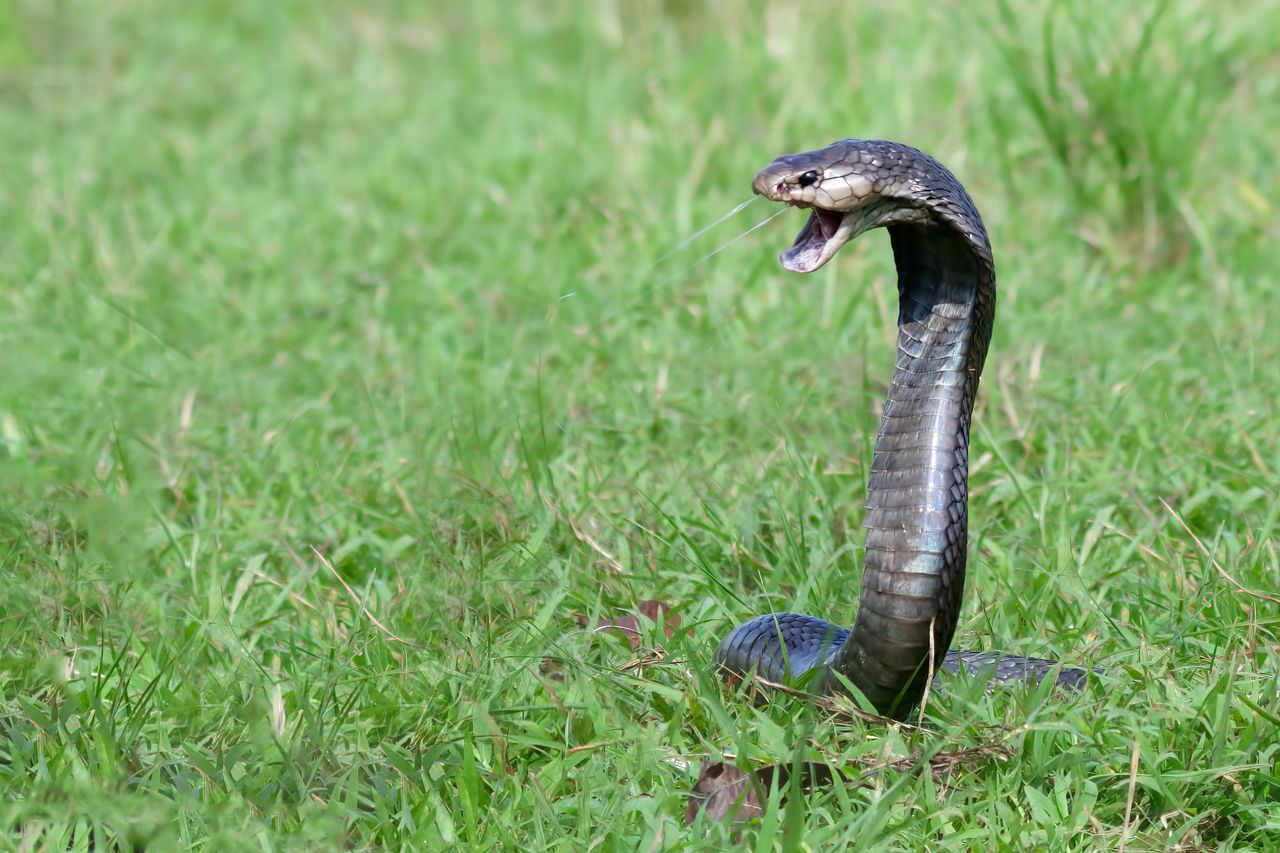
(917, 492)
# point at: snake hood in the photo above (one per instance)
(854, 185)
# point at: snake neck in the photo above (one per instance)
(917, 495)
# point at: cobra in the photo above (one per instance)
(917, 492)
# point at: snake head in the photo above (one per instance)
(841, 189)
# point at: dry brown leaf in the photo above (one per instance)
(628, 625)
(725, 792)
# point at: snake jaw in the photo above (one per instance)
(819, 240)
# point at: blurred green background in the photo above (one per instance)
(340, 393)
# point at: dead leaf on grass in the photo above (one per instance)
(628, 624)
(724, 792)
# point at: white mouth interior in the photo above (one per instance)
(818, 241)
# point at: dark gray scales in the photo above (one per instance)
(916, 523)
(784, 647)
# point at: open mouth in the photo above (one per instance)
(817, 241)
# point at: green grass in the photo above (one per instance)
(311, 464)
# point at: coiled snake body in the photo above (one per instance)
(917, 493)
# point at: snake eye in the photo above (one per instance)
(808, 179)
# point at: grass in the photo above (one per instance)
(314, 469)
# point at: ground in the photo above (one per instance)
(342, 398)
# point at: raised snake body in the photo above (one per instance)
(917, 492)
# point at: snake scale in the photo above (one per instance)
(917, 493)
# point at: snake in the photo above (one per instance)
(917, 490)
